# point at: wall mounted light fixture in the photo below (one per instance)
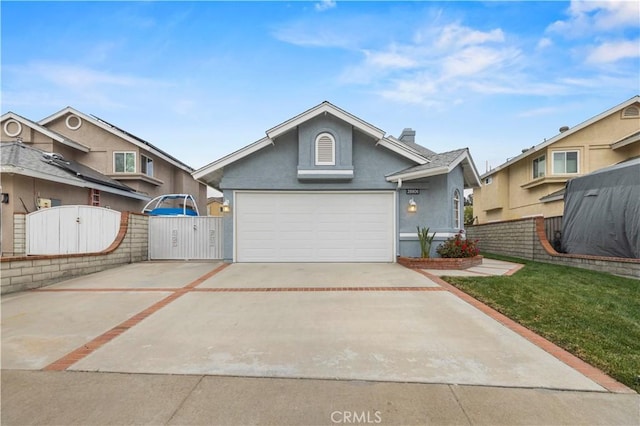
(413, 207)
(226, 207)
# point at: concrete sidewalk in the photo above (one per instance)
(489, 267)
(82, 398)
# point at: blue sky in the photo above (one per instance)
(203, 79)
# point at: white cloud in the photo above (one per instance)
(609, 52)
(455, 35)
(588, 17)
(544, 42)
(75, 76)
(76, 84)
(391, 59)
(319, 35)
(325, 5)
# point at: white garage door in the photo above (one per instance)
(314, 227)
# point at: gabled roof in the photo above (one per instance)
(325, 108)
(212, 172)
(442, 163)
(47, 132)
(21, 159)
(563, 135)
(139, 142)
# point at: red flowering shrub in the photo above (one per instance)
(456, 247)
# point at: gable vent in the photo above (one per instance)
(631, 112)
(325, 150)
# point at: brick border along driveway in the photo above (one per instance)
(83, 351)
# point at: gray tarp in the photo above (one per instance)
(602, 212)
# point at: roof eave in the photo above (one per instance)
(77, 182)
(207, 174)
(418, 174)
(325, 107)
(628, 140)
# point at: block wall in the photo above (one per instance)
(19, 273)
(526, 238)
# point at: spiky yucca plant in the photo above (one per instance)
(425, 241)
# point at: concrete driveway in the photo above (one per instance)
(376, 322)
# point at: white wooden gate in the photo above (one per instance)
(71, 229)
(185, 238)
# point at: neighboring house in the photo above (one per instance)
(533, 182)
(326, 186)
(214, 206)
(73, 158)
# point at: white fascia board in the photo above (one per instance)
(115, 132)
(419, 174)
(72, 182)
(402, 150)
(474, 172)
(231, 158)
(563, 135)
(41, 129)
(325, 107)
(627, 140)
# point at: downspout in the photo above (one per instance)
(397, 236)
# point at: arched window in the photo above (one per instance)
(456, 209)
(325, 150)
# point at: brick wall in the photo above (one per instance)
(19, 233)
(526, 238)
(26, 272)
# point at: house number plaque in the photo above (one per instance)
(413, 191)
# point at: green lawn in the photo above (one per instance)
(593, 315)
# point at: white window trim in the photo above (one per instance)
(456, 209)
(553, 162)
(135, 161)
(333, 150)
(544, 172)
(144, 159)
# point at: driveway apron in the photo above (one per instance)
(377, 322)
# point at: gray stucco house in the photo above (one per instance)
(326, 186)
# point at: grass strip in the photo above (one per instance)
(593, 315)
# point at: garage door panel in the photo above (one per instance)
(314, 227)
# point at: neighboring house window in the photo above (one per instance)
(325, 150)
(456, 209)
(565, 162)
(539, 166)
(146, 165)
(124, 162)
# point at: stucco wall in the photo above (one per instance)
(275, 168)
(526, 238)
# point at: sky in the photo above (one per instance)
(203, 79)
